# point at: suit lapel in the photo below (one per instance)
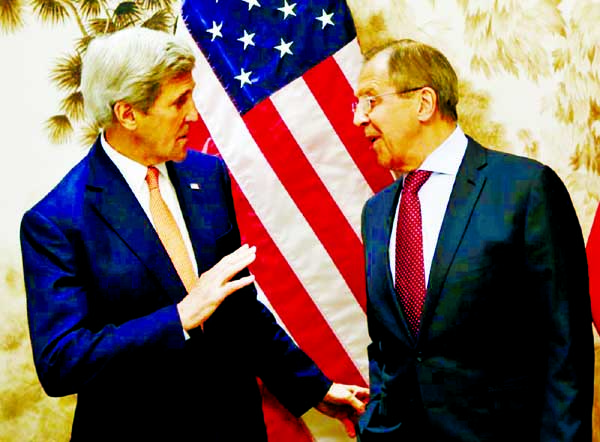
(470, 180)
(191, 189)
(112, 199)
(397, 320)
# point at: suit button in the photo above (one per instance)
(419, 359)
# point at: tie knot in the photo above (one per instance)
(152, 178)
(414, 180)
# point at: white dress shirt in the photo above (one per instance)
(135, 175)
(443, 162)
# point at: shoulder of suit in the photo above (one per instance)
(68, 190)
(197, 159)
(384, 194)
(499, 158)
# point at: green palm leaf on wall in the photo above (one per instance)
(93, 17)
(11, 15)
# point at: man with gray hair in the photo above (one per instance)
(117, 312)
(477, 296)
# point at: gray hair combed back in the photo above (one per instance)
(414, 64)
(130, 65)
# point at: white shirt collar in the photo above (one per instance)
(446, 158)
(133, 172)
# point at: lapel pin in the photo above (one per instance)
(195, 186)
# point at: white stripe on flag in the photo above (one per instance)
(324, 149)
(264, 191)
(347, 58)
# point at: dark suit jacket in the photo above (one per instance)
(506, 347)
(102, 294)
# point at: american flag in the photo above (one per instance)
(275, 91)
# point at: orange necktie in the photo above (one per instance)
(169, 232)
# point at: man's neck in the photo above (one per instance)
(431, 137)
(436, 133)
(122, 141)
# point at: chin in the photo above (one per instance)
(180, 155)
(384, 162)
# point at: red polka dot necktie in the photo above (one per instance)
(410, 270)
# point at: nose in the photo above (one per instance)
(192, 113)
(360, 118)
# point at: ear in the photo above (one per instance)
(427, 104)
(125, 115)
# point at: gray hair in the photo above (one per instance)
(413, 64)
(130, 65)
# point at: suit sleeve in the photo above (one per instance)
(372, 349)
(68, 353)
(557, 270)
(370, 420)
(288, 373)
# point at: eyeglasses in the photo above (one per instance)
(366, 103)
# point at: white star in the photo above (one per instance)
(215, 31)
(244, 78)
(284, 48)
(247, 39)
(325, 19)
(287, 9)
(251, 3)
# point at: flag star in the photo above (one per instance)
(284, 48)
(251, 3)
(287, 9)
(247, 39)
(325, 19)
(215, 31)
(244, 78)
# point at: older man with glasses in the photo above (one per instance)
(478, 304)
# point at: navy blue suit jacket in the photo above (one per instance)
(505, 351)
(102, 295)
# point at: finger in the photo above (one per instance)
(244, 248)
(233, 269)
(361, 393)
(237, 284)
(238, 255)
(356, 403)
(227, 268)
(349, 427)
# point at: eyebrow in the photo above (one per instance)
(365, 92)
(178, 98)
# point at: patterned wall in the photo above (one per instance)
(530, 85)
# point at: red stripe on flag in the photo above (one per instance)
(282, 287)
(281, 424)
(290, 300)
(335, 96)
(309, 194)
(292, 304)
(199, 137)
(593, 255)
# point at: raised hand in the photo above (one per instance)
(214, 285)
